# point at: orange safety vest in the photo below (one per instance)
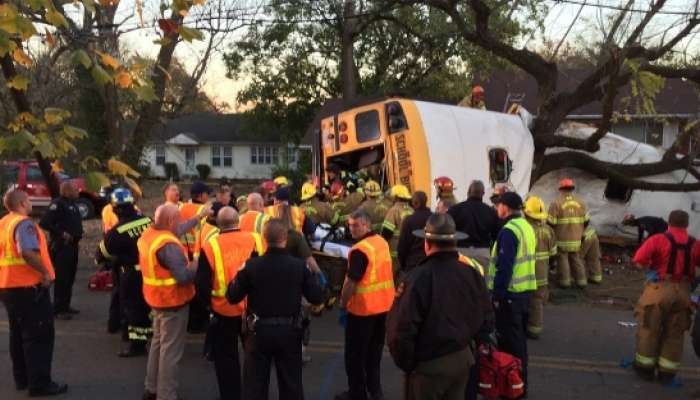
(160, 289)
(207, 232)
(227, 253)
(375, 291)
(253, 221)
(14, 270)
(191, 238)
(297, 215)
(109, 218)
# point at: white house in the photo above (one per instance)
(217, 140)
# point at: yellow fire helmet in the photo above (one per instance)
(372, 188)
(534, 208)
(281, 181)
(308, 190)
(400, 192)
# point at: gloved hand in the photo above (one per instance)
(652, 276)
(342, 317)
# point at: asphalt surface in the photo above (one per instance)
(581, 355)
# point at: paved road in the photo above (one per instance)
(578, 357)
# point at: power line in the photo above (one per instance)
(620, 8)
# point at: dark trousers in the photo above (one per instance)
(364, 344)
(64, 257)
(198, 316)
(511, 327)
(30, 316)
(223, 333)
(443, 378)
(279, 344)
(472, 390)
(115, 322)
(137, 328)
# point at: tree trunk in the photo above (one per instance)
(348, 73)
(151, 112)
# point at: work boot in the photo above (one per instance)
(644, 373)
(73, 311)
(52, 389)
(533, 336)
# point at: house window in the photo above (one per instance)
(266, 155)
(228, 156)
(291, 154)
(500, 166)
(655, 133)
(189, 158)
(160, 155)
(221, 154)
(215, 156)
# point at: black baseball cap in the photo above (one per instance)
(199, 187)
(511, 199)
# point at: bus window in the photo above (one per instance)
(397, 119)
(500, 166)
(367, 126)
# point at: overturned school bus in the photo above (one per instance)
(398, 140)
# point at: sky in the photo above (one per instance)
(588, 15)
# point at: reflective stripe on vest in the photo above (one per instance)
(220, 274)
(14, 269)
(472, 263)
(150, 278)
(160, 288)
(589, 233)
(374, 293)
(523, 278)
(189, 239)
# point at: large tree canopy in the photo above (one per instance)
(304, 52)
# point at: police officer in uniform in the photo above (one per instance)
(120, 250)
(429, 331)
(274, 285)
(64, 223)
(511, 277)
(25, 277)
(223, 256)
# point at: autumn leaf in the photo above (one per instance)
(96, 180)
(7, 45)
(55, 116)
(82, 57)
(90, 160)
(190, 34)
(133, 186)
(119, 168)
(19, 82)
(21, 57)
(145, 93)
(168, 26)
(108, 61)
(50, 39)
(100, 76)
(198, 2)
(73, 132)
(55, 18)
(123, 80)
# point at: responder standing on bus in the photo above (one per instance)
(511, 277)
(374, 206)
(366, 298)
(65, 225)
(438, 311)
(223, 257)
(120, 250)
(25, 278)
(254, 219)
(536, 215)
(274, 285)
(315, 209)
(664, 310)
(590, 255)
(391, 227)
(569, 218)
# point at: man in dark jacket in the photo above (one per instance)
(478, 221)
(430, 332)
(274, 285)
(645, 225)
(65, 225)
(410, 248)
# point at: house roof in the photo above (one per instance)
(210, 128)
(677, 97)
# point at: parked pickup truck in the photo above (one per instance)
(26, 175)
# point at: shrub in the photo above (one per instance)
(204, 171)
(172, 172)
